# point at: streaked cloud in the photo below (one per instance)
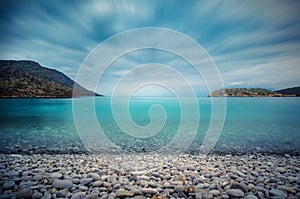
(253, 43)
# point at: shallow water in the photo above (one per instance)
(268, 123)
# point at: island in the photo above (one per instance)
(28, 79)
(249, 92)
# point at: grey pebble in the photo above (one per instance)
(62, 184)
(179, 188)
(86, 181)
(95, 176)
(235, 193)
(8, 185)
(97, 183)
(276, 192)
(24, 193)
(91, 196)
(56, 175)
(79, 195)
(241, 186)
(37, 195)
(215, 192)
(251, 196)
(12, 173)
(148, 191)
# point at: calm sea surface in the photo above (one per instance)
(268, 123)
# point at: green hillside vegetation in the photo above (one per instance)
(29, 79)
(248, 92)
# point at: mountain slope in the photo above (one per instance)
(29, 79)
(294, 90)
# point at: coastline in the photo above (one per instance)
(149, 175)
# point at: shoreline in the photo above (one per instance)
(120, 151)
(149, 175)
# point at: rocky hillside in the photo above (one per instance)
(248, 92)
(29, 79)
(290, 91)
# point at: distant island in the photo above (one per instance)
(255, 92)
(28, 79)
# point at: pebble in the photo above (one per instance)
(215, 192)
(121, 193)
(235, 193)
(37, 195)
(251, 196)
(56, 175)
(62, 184)
(95, 176)
(179, 188)
(148, 191)
(281, 169)
(97, 183)
(24, 193)
(79, 195)
(152, 175)
(91, 196)
(8, 185)
(288, 189)
(241, 186)
(86, 181)
(276, 192)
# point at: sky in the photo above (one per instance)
(253, 43)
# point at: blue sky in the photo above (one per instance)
(253, 43)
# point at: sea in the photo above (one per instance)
(141, 124)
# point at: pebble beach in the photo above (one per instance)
(149, 175)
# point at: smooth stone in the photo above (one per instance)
(192, 168)
(215, 192)
(149, 191)
(61, 194)
(235, 193)
(86, 181)
(8, 185)
(288, 189)
(143, 177)
(122, 193)
(139, 197)
(106, 184)
(212, 186)
(95, 176)
(47, 195)
(241, 186)
(91, 196)
(198, 195)
(12, 173)
(225, 196)
(83, 188)
(179, 188)
(97, 183)
(37, 195)
(37, 178)
(56, 175)
(181, 168)
(281, 169)
(273, 180)
(277, 192)
(24, 193)
(62, 184)
(261, 194)
(206, 195)
(251, 196)
(79, 195)
(138, 173)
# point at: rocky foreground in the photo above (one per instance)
(149, 176)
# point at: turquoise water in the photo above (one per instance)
(272, 124)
